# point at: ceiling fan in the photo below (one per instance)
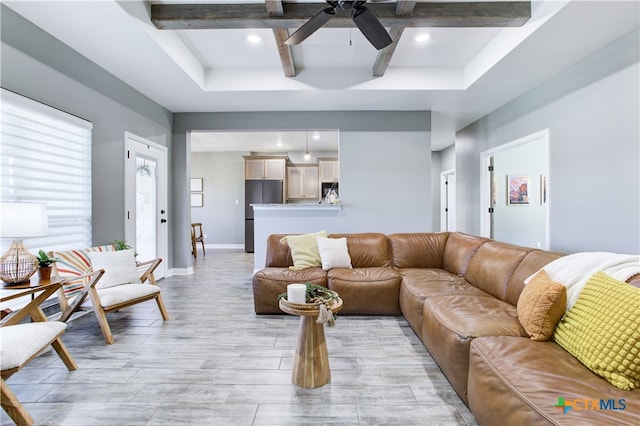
(364, 19)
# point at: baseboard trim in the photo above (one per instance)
(224, 246)
(179, 271)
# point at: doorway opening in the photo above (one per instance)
(520, 166)
(448, 201)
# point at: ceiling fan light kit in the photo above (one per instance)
(364, 19)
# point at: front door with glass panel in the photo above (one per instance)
(146, 195)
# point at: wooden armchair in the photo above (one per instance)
(22, 342)
(104, 280)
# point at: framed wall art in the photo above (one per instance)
(518, 190)
(196, 184)
(196, 199)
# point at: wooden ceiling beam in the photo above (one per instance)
(275, 8)
(424, 14)
(403, 8)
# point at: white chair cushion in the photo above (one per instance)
(22, 341)
(119, 267)
(125, 292)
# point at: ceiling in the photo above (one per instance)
(459, 73)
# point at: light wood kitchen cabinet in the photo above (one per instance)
(328, 170)
(264, 168)
(302, 183)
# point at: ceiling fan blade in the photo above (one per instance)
(372, 29)
(312, 25)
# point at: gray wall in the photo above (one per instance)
(223, 174)
(40, 67)
(383, 190)
(591, 110)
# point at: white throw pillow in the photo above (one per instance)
(119, 267)
(334, 253)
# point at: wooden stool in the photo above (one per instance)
(311, 362)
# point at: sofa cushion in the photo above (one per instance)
(518, 381)
(334, 253)
(367, 290)
(418, 250)
(418, 284)
(602, 330)
(367, 249)
(459, 251)
(278, 254)
(268, 283)
(531, 263)
(304, 250)
(541, 305)
(492, 267)
(450, 323)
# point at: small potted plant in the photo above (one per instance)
(122, 245)
(44, 265)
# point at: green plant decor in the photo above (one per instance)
(122, 245)
(315, 294)
(44, 260)
(321, 297)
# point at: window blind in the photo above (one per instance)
(45, 156)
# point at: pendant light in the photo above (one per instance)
(307, 154)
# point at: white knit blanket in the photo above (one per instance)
(574, 270)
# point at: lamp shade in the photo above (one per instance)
(23, 220)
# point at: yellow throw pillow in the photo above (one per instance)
(602, 330)
(541, 305)
(304, 250)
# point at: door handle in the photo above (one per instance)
(162, 211)
(163, 220)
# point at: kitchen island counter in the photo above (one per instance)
(293, 218)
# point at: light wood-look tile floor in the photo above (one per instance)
(217, 363)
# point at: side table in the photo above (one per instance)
(311, 362)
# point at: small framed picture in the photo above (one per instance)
(196, 199)
(518, 190)
(196, 184)
(544, 182)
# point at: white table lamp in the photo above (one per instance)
(18, 221)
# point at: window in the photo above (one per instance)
(45, 156)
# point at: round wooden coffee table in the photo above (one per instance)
(311, 362)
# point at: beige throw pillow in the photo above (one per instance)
(304, 250)
(541, 305)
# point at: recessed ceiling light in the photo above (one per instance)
(315, 137)
(254, 39)
(422, 38)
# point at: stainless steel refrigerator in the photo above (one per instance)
(258, 192)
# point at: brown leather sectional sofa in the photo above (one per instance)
(459, 294)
